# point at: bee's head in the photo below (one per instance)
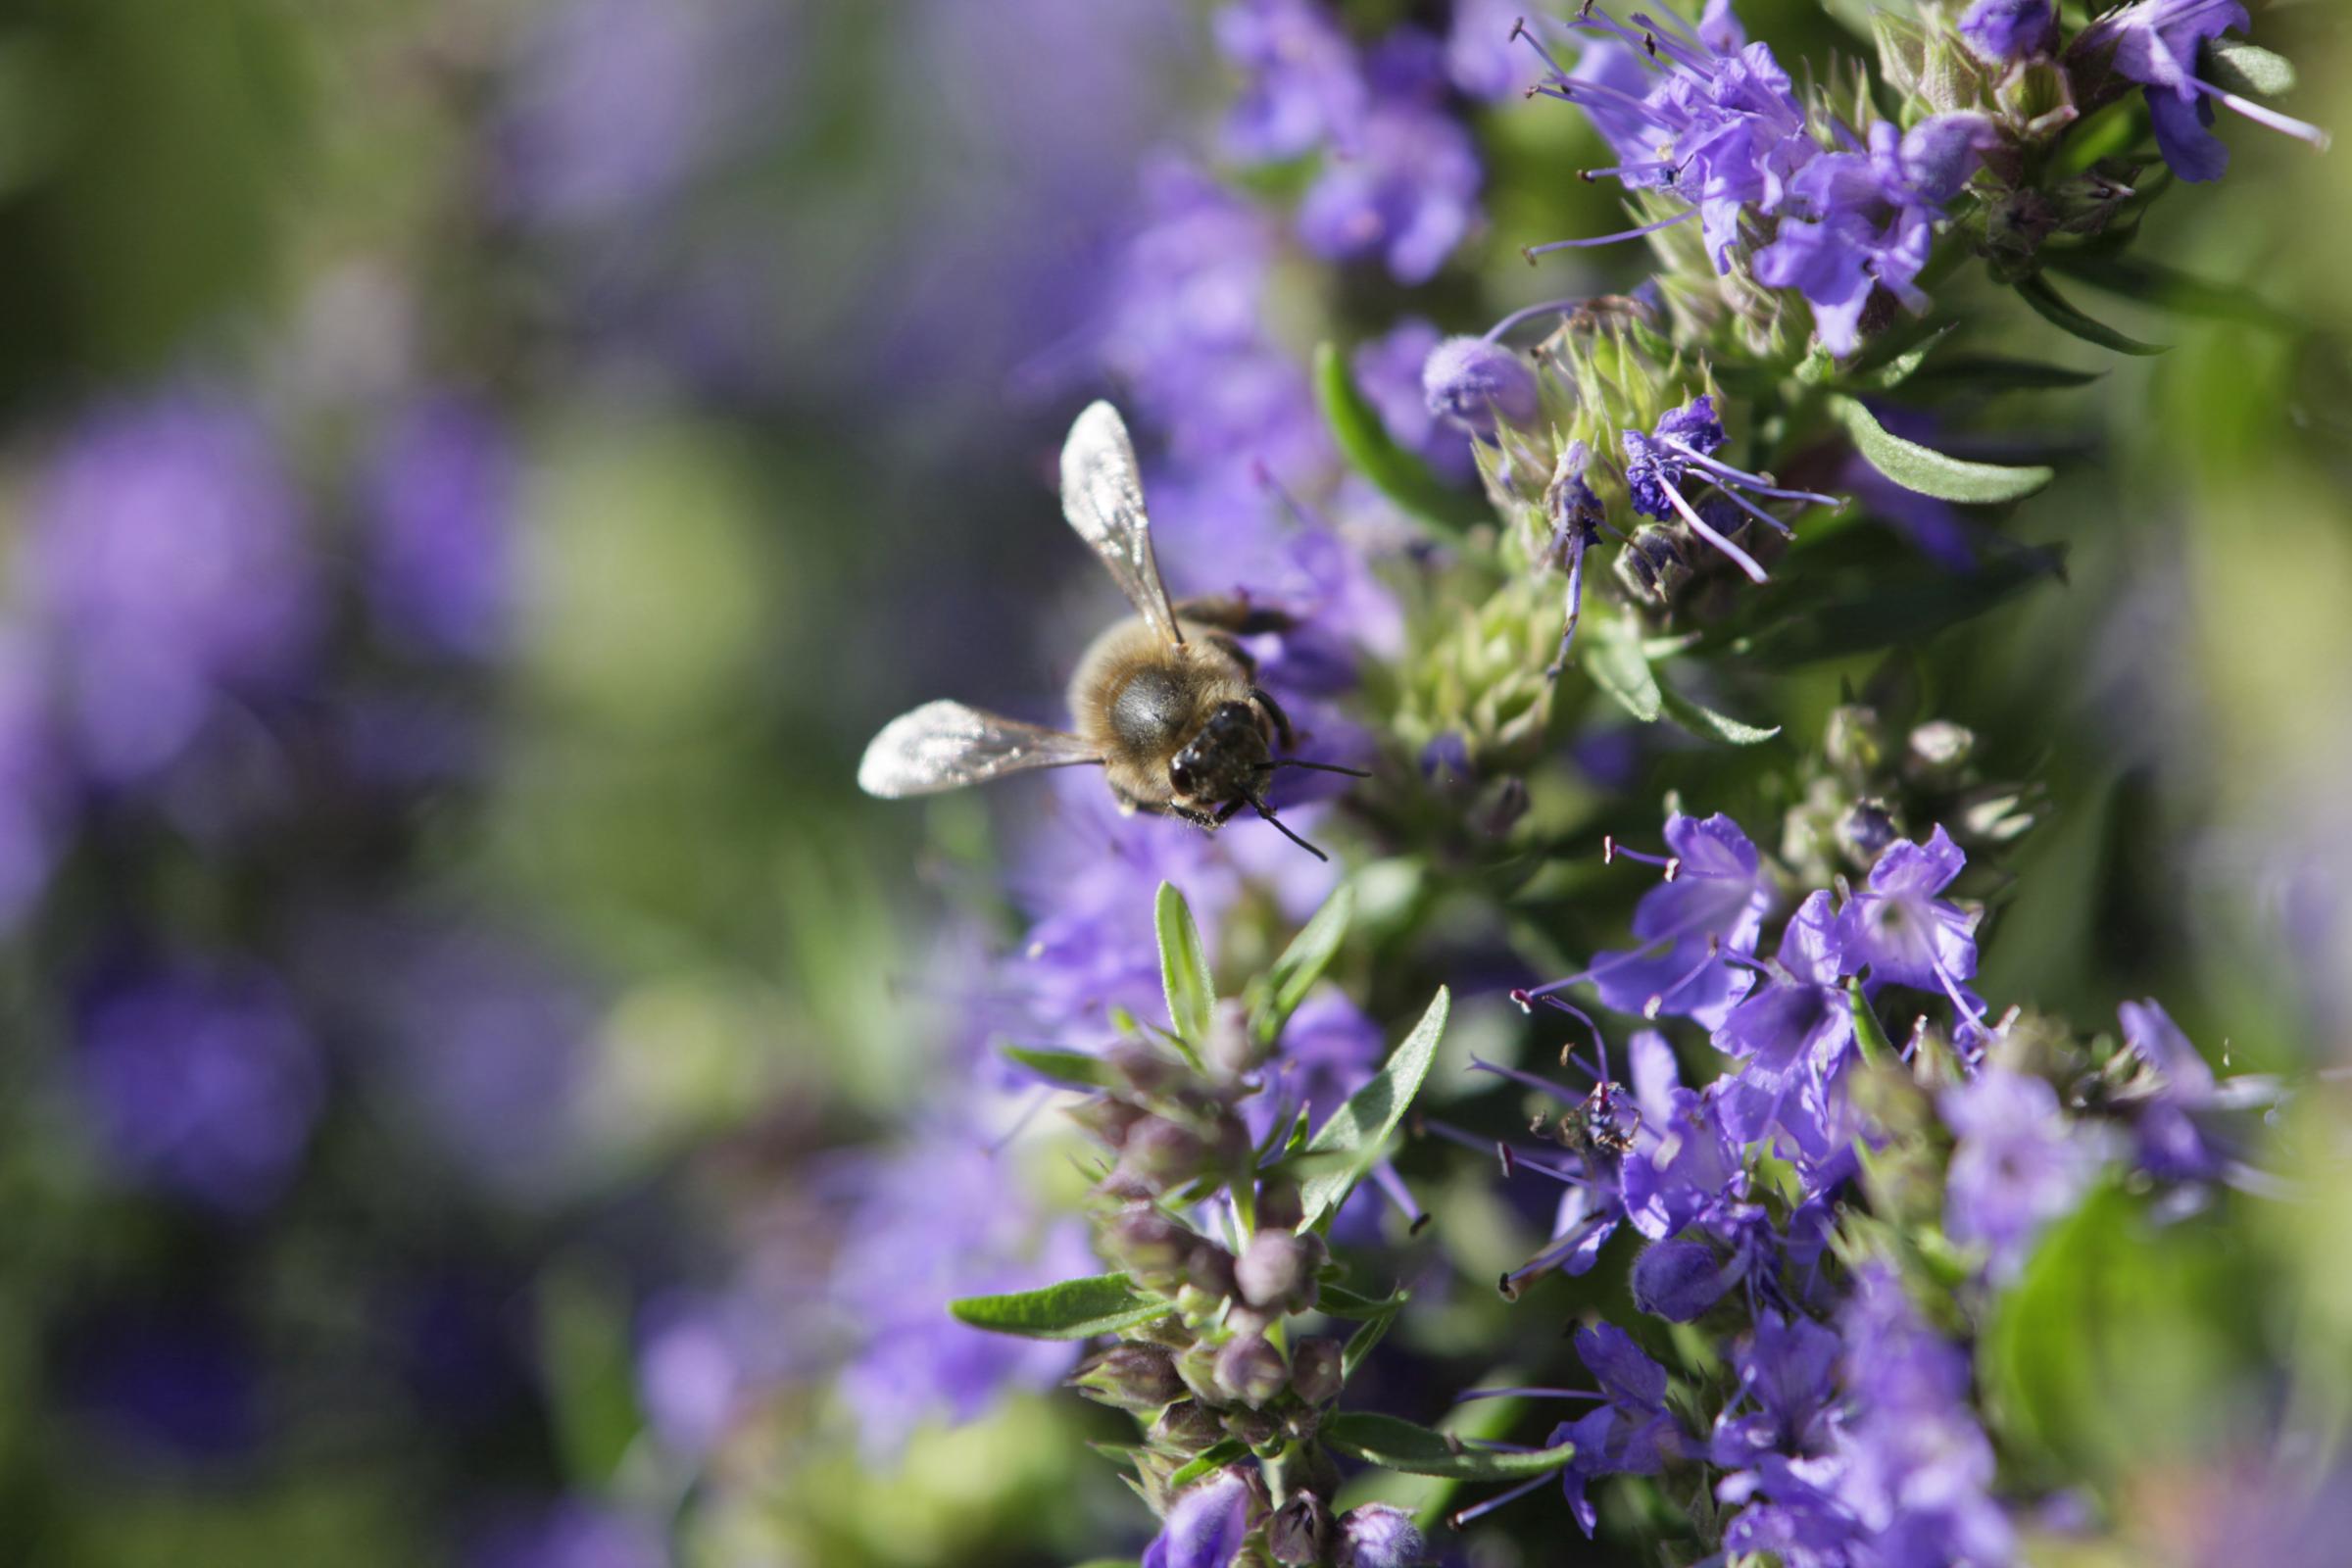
(1225, 761)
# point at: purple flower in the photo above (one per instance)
(1680, 1280)
(689, 1371)
(1471, 383)
(201, 1078)
(1300, 87)
(1376, 1534)
(1902, 931)
(1788, 1391)
(2156, 43)
(1714, 903)
(2181, 1121)
(1206, 1525)
(2003, 30)
(1680, 451)
(572, 1534)
(1328, 1050)
(1632, 1434)
(938, 1218)
(1681, 1171)
(2019, 1164)
(1793, 1039)
(1482, 57)
(1405, 192)
(178, 1381)
(35, 794)
(439, 497)
(169, 576)
(1388, 370)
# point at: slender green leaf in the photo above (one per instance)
(1365, 443)
(2169, 288)
(1338, 1300)
(1361, 1128)
(2052, 307)
(1303, 962)
(1074, 1309)
(1395, 1445)
(1895, 371)
(1867, 1030)
(1904, 606)
(1986, 372)
(2247, 68)
(1708, 725)
(1929, 472)
(1073, 1069)
(1183, 967)
(1611, 653)
(1216, 1457)
(1359, 1344)
(589, 1369)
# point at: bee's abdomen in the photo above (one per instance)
(1150, 709)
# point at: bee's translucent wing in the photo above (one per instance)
(945, 745)
(1103, 499)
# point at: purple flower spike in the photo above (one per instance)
(1902, 931)
(1205, 1526)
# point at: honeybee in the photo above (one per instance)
(1167, 702)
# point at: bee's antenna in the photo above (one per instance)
(1267, 812)
(1320, 767)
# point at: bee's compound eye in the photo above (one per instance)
(1180, 776)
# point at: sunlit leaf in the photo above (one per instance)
(1074, 1309)
(1929, 472)
(1360, 1129)
(2052, 307)
(1395, 1445)
(1611, 654)
(1183, 966)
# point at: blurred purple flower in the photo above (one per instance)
(177, 1382)
(1787, 1396)
(2156, 43)
(691, 1376)
(1328, 1050)
(1389, 371)
(1378, 1535)
(201, 1079)
(1472, 383)
(1300, 88)
(575, 1533)
(2020, 1163)
(1206, 1525)
(439, 496)
(1482, 57)
(938, 1218)
(1406, 193)
(2003, 30)
(36, 789)
(169, 575)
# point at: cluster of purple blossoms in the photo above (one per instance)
(1399, 175)
(2156, 43)
(1703, 117)
(1849, 1436)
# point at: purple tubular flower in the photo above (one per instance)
(2156, 43)
(1482, 57)
(1376, 1534)
(1794, 1038)
(2005, 31)
(1787, 1389)
(1714, 903)
(1206, 1525)
(2181, 1126)
(170, 575)
(201, 1080)
(1681, 1171)
(1632, 1434)
(1680, 1280)
(1388, 370)
(1472, 383)
(439, 501)
(1902, 931)
(1406, 193)
(2019, 1165)
(1300, 88)
(1680, 451)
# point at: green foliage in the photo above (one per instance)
(1183, 967)
(1929, 472)
(1074, 1309)
(1396, 1444)
(1295, 973)
(1357, 1133)
(1365, 443)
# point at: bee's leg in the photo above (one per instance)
(1234, 613)
(1273, 710)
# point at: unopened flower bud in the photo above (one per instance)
(1652, 564)
(1131, 1377)
(1161, 1154)
(1678, 1280)
(1854, 741)
(1255, 1428)
(1230, 1048)
(1250, 1370)
(1500, 808)
(1280, 1204)
(1298, 1531)
(1273, 1271)
(1186, 1427)
(1316, 1371)
(1107, 1120)
(1864, 832)
(1146, 1069)
(1147, 1244)
(1472, 382)
(1210, 1271)
(1939, 750)
(1377, 1535)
